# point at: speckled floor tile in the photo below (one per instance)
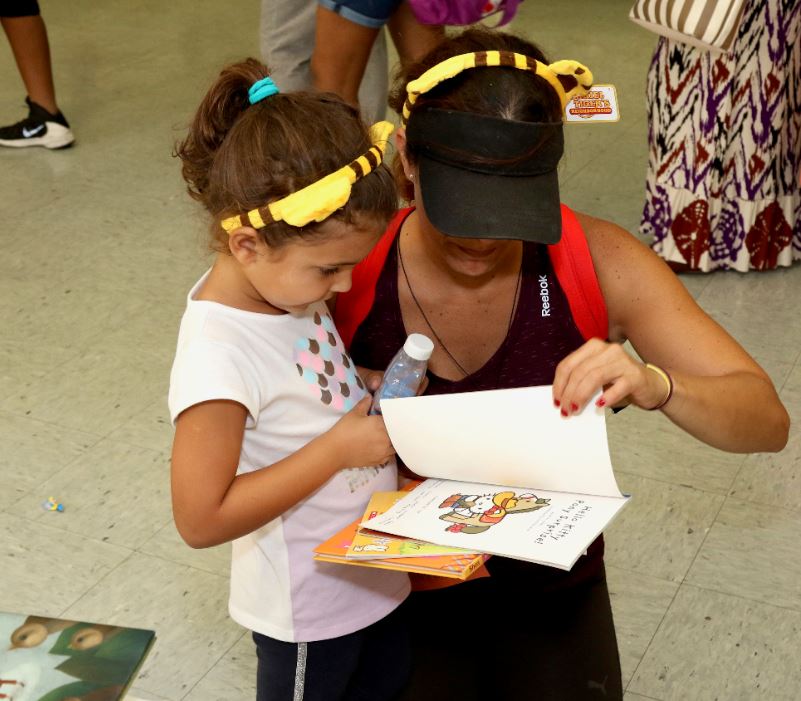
(45, 568)
(186, 607)
(618, 199)
(661, 529)
(647, 444)
(33, 451)
(100, 392)
(773, 339)
(168, 545)
(233, 678)
(639, 603)
(775, 478)
(114, 492)
(752, 551)
(150, 428)
(713, 646)
(137, 694)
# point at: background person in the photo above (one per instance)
(45, 125)
(723, 188)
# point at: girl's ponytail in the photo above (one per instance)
(224, 103)
(239, 156)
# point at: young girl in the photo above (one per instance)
(273, 444)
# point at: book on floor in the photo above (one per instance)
(51, 659)
(508, 475)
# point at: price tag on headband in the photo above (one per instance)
(598, 105)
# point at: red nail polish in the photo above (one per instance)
(574, 406)
(556, 403)
(563, 412)
(601, 402)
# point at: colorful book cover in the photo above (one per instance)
(370, 545)
(452, 566)
(52, 659)
(547, 528)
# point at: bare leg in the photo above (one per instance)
(412, 39)
(28, 39)
(341, 50)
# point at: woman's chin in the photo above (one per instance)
(474, 262)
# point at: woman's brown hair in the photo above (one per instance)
(498, 92)
(239, 156)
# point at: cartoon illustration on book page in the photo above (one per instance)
(476, 513)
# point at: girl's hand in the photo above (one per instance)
(599, 365)
(371, 378)
(360, 440)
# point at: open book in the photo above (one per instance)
(510, 475)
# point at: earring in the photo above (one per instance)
(410, 176)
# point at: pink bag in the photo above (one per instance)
(454, 12)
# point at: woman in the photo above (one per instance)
(469, 267)
(724, 157)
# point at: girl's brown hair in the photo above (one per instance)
(239, 156)
(498, 92)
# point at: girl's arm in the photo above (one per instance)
(721, 395)
(212, 504)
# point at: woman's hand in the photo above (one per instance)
(360, 440)
(598, 365)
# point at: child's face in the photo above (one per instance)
(299, 274)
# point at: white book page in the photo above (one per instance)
(550, 528)
(508, 436)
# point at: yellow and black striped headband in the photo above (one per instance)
(323, 197)
(568, 78)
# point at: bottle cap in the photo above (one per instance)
(418, 346)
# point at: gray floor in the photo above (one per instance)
(100, 246)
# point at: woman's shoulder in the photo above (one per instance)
(615, 250)
(602, 233)
(630, 274)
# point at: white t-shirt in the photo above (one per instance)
(292, 374)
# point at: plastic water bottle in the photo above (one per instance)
(405, 373)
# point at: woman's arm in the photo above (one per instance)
(721, 395)
(212, 504)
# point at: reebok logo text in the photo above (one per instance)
(544, 296)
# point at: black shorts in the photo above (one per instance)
(371, 664)
(18, 8)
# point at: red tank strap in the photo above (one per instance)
(571, 261)
(573, 266)
(353, 306)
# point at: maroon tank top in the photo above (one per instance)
(542, 333)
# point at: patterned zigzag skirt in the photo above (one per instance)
(724, 171)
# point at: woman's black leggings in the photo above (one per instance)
(515, 635)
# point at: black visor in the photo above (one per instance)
(488, 177)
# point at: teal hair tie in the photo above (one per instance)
(265, 87)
